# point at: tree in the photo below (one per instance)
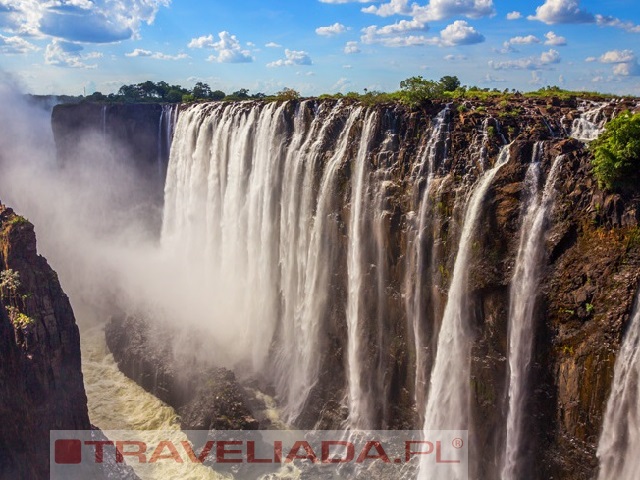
(616, 151)
(201, 91)
(449, 83)
(242, 94)
(287, 94)
(217, 95)
(415, 90)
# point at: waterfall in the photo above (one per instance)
(522, 301)
(253, 205)
(590, 124)
(620, 439)
(448, 402)
(416, 303)
(359, 397)
(165, 133)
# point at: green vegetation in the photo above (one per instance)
(18, 220)
(589, 308)
(9, 281)
(616, 153)
(21, 320)
(413, 92)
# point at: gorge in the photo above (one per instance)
(452, 266)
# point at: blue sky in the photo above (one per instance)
(318, 46)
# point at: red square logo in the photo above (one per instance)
(68, 452)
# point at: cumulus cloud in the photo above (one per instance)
(562, 11)
(292, 57)
(607, 21)
(554, 40)
(514, 15)
(625, 62)
(398, 35)
(434, 10)
(66, 54)
(15, 46)
(530, 63)
(351, 47)
(95, 21)
(273, 45)
(138, 52)
(227, 45)
(331, 30)
(460, 33)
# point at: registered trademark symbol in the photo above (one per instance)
(457, 443)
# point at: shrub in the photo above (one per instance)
(616, 153)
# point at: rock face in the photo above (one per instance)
(590, 275)
(41, 385)
(134, 137)
(205, 397)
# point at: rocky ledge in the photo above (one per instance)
(206, 397)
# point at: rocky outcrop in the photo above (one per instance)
(206, 397)
(41, 385)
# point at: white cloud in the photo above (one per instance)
(606, 21)
(590, 59)
(206, 41)
(440, 9)
(625, 62)
(228, 47)
(562, 11)
(331, 30)
(618, 56)
(66, 54)
(434, 10)
(460, 33)
(351, 47)
(273, 45)
(514, 16)
(292, 57)
(529, 63)
(528, 40)
(138, 52)
(394, 7)
(453, 58)
(95, 21)
(15, 46)
(395, 35)
(554, 40)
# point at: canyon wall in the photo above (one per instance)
(41, 385)
(337, 227)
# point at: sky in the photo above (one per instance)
(319, 46)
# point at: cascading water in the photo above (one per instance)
(522, 301)
(261, 202)
(165, 134)
(448, 402)
(620, 439)
(590, 124)
(360, 414)
(416, 304)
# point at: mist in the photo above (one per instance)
(98, 229)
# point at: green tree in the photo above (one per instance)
(287, 94)
(217, 95)
(415, 90)
(616, 152)
(449, 83)
(201, 91)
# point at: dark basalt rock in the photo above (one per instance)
(206, 397)
(41, 386)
